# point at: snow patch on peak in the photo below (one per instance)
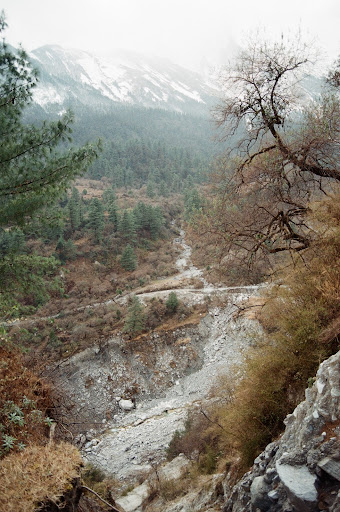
(125, 77)
(47, 94)
(191, 94)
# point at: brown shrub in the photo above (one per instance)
(22, 395)
(37, 475)
(194, 440)
(81, 332)
(296, 317)
(155, 313)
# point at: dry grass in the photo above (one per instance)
(194, 318)
(87, 283)
(37, 475)
(126, 199)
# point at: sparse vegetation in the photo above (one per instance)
(197, 443)
(301, 322)
(99, 482)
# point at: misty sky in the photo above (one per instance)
(186, 31)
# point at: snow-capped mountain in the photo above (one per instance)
(69, 77)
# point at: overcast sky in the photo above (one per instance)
(186, 31)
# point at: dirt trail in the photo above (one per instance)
(180, 283)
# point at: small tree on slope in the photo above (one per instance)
(135, 321)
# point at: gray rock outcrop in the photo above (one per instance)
(301, 471)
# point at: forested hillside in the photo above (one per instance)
(141, 145)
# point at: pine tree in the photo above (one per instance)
(11, 242)
(155, 222)
(65, 250)
(74, 207)
(135, 321)
(128, 260)
(193, 202)
(148, 220)
(150, 189)
(163, 190)
(140, 214)
(109, 198)
(37, 167)
(33, 171)
(172, 302)
(127, 227)
(96, 219)
(113, 215)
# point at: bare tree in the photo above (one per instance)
(284, 151)
(333, 77)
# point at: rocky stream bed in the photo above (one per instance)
(172, 371)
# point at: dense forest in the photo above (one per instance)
(144, 146)
(136, 163)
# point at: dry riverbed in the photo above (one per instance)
(168, 374)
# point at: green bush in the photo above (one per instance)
(135, 320)
(128, 260)
(172, 302)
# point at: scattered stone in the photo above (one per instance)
(259, 494)
(134, 499)
(174, 469)
(270, 474)
(126, 405)
(299, 483)
(331, 467)
(273, 495)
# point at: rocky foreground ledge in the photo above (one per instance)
(301, 471)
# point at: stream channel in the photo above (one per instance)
(135, 440)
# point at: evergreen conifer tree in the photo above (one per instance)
(37, 167)
(150, 189)
(127, 227)
(11, 242)
(163, 190)
(128, 260)
(33, 170)
(148, 220)
(155, 221)
(193, 202)
(109, 198)
(66, 250)
(135, 320)
(172, 302)
(96, 219)
(74, 207)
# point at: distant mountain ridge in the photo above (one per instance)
(75, 77)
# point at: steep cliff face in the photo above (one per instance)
(301, 471)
